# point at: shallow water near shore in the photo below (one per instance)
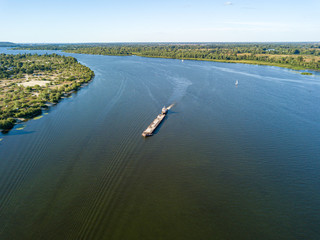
(228, 162)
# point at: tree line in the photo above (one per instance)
(292, 55)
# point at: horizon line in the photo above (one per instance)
(145, 42)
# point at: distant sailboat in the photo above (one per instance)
(236, 83)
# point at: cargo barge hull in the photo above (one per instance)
(153, 126)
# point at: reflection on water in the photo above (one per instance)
(228, 162)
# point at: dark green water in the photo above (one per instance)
(227, 163)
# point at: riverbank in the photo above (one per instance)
(33, 83)
(252, 62)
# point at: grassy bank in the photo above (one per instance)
(240, 61)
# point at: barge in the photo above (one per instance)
(150, 129)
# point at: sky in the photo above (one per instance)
(79, 21)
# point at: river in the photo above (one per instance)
(228, 162)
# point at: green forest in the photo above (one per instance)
(290, 55)
(30, 83)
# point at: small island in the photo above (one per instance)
(30, 83)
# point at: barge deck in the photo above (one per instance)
(150, 129)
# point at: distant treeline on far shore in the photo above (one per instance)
(290, 55)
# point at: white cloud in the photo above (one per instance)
(228, 3)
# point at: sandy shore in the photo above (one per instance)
(34, 83)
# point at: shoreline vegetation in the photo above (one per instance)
(30, 83)
(296, 56)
